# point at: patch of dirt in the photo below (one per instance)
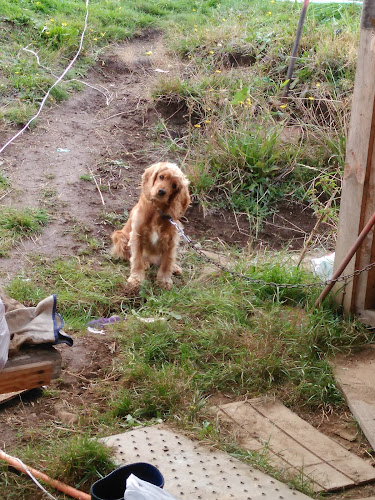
(108, 135)
(90, 357)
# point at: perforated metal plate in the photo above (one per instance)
(193, 471)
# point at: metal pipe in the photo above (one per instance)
(68, 490)
(295, 49)
(346, 260)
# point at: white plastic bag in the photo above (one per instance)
(323, 266)
(137, 489)
(4, 337)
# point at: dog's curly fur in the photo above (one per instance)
(148, 237)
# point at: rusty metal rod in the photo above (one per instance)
(293, 57)
(68, 490)
(346, 260)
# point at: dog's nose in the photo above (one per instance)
(161, 192)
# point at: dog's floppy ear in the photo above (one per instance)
(181, 202)
(148, 177)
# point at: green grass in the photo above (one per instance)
(242, 145)
(16, 224)
(52, 29)
(223, 336)
(236, 147)
(86, 288)
(78, 461)
(233, 336)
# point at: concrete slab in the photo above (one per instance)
(193, 471)
(294, 445)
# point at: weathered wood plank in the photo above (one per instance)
(358, 200)
(8, 396)
(355, 376)
(36, 354)
(294, 445)
(25, 377)
(30, 368)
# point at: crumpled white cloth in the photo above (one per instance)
(137, 489)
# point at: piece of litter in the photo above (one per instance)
(105, 321)
(112, 347)
(158, 70)
(62, 150)
(95, 330)
(323, 266)
(149, 320)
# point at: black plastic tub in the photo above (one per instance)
(112, 487)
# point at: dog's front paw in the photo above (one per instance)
(176, 269)
(165, 282)
(134, 281)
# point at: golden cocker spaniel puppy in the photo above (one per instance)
(148, 237)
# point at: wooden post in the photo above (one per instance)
(358, 193)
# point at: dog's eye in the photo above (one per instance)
(174, 186)
(161, 177)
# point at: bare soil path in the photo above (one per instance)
(113, 142)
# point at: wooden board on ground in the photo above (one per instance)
(10, 395)
(30, 368)
(355, 376)
(291, 444)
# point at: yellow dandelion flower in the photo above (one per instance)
(47, 32)
(95, 39)
(149, 53)
(269, 13)
(311, 98)
(273, 1)
(223, 19)
(102, 34)
(64, 24)
(194, 10)
(51, 20)
(207, 121)
(197, 125)
(17, 72)
(195, 29)
(283, 106)
(211, 52)
(37, 3)
(218, 71)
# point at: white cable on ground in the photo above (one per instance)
(35, 480)
(56, 82)
(108, 96)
